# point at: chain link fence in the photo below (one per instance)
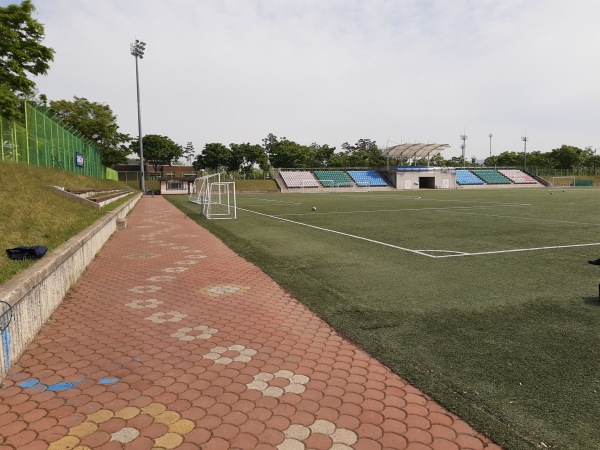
(45, 141)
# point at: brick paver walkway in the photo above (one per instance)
(171, 340)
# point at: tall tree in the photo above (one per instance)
(21, 53)
(214, 156)
(567, 157)
(97, 123)
(159, 150)
(364, 153)
(244, 157)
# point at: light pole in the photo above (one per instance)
(525, 139)
(137, 50)
(463, 147)
(491, 135)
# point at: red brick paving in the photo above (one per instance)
(172, 390)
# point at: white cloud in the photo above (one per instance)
(332, 71)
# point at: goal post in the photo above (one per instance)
(328, 185)
(565, 181)
(220, 201)
(362, 186)
(200, 187)
(217, 199)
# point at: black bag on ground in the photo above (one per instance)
(22, 252)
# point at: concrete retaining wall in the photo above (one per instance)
(28, 299)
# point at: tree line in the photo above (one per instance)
(285, 153)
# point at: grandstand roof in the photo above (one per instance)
(414, 150)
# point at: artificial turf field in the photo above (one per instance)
(484, 299)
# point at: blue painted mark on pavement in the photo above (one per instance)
(29, 383)
(62, 386)
(108, 380)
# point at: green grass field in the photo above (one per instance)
(482, 298)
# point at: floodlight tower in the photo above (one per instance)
(491, 135)
(137, 49)
(525, 139)
(463, 147)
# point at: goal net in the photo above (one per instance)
(563, 181)
(219, 202)
(362, 186)
(200, 187)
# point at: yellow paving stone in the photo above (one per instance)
(83, 430)
(182, 426)
(154, 409)
(168, 417)
(100, 416)
(82, 447)
(129, 412)
(169, 440)
(66, 443)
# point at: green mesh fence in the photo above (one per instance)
(45, 141)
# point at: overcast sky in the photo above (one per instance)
(335, 71)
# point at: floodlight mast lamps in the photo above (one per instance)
(137, 50)
(463, 147)
(525, 139)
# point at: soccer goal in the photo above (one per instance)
(362, 186)
(328, 185)
(216, 198)
(219, 202)
(563, 181)
(200, 187)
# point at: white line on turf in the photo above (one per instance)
(462, 208)
(516, 250)
(385, 244)
(454, 254)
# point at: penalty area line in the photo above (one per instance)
(516, 250)
(385, 244)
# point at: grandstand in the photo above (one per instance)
(367, 178)
(491, 176)
(403, 178)
(467, 178)
(299, 179)
(517, 176)
(333, 178)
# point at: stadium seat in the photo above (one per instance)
(491, 176)
(517, 176)
(299, 178)
(465, 177)
(366, 178)
(333, 178)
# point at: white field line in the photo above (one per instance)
(454, 254)
(385, 244)
(569, 222)
(462, 208)
(273, 201)
(495, 252)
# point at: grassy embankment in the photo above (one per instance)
(32, 214)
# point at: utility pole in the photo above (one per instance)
(525, 139)
(463, 147)
(137, 50)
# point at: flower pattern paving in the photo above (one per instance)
(188, 333)
(295, 383)
(223, 289)
(273, 375)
